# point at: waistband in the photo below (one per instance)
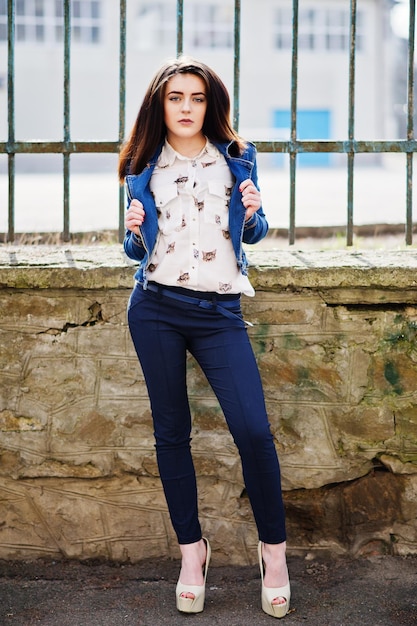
(200, 295)
(210, 300)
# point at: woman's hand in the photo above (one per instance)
(251, 198)
(135, 216)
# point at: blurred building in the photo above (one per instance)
(265, 66)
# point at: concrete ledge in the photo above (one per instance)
(107, 267)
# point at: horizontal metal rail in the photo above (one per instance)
(337, 147)
(59, 147)
(289, 147)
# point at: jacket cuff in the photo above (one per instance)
(250, 223)
(137, 240)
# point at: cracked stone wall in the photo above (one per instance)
(335, 338)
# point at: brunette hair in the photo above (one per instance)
(149, 129)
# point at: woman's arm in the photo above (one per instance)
(256, 226)
(133, 244)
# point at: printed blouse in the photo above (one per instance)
(194, 249)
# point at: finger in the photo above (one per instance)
(251, 199)
(135, 218)
(133, 222)
(251, 195)
(135, 213)
(244, 184)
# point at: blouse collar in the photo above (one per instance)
(168, 154)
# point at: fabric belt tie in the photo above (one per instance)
(203, 304)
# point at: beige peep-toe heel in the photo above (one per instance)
(268, 594)
(196, 604)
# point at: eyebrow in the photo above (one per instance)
(181, 93)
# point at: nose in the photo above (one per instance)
(186, 105)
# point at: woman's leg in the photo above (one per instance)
(161, 349)
(227, 359)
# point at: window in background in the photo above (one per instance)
(42, 21)
(318, 29)
(208, 25)
(85, 21)
(3, 20)
(156, 25)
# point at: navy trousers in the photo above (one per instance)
(163, 330)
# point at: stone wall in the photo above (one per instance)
(335, 337)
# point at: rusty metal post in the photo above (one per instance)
(410, 124)
(122, 108)
(11, 117)
(351, 125)
(236, 66)
(180, 27)
(293, 136)
(67, 134)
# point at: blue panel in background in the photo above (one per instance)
(311, 124)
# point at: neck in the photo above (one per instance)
(188, 148)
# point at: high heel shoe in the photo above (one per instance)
(269, 594)
(196, 604)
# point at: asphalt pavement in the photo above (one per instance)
(372, 591)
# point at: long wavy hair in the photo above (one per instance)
(149, 129)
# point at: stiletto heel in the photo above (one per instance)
(196, 604)
(269, 594)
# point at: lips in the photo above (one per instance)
(185, 122)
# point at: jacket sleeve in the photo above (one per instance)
(256, 227)
(132, 244)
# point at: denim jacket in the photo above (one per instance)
(252, 231)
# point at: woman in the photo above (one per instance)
(191, 182)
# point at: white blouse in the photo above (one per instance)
(194, 249)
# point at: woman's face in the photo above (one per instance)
(185, 105)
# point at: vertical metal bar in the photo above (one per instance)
(180, 27)
(236, 65)
(11, 116)
(410, 124)
(293, 139)
(122, 107)
(66, 156)
(351, 129)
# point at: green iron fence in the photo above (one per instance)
(293, 147)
